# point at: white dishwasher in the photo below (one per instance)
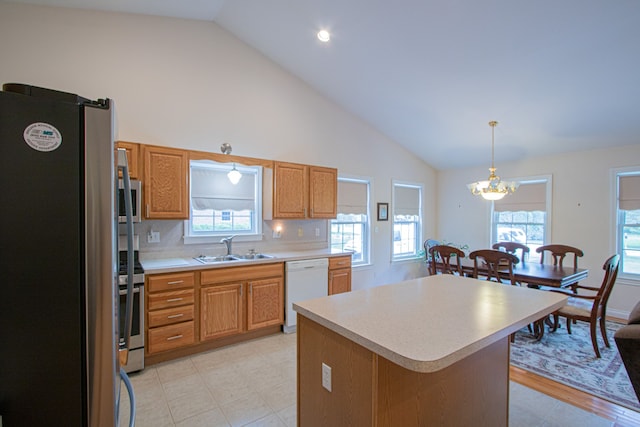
(304, 280)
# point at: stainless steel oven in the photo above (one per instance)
(136, 343)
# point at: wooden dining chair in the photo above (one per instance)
(442, 257)
(497, 265)
(513, 248)
(590, 308)
(558, 253)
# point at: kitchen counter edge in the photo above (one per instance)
(190, 264)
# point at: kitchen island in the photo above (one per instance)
(425, 352)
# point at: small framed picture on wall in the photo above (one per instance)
(383, 211)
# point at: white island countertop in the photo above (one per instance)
(430, 323)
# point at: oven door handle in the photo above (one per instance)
(136, 290)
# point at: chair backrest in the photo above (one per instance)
(513, 248)
(559, 252)
(441, 258)
(497, 263)
(610, 268)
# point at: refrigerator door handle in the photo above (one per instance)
(123, 165)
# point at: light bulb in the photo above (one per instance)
(234, 175)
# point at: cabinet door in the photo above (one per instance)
(323, 192)
(220, 311)
(133, 157)
(290, 189)
(339, 281)
(265, 303)
(165, 183)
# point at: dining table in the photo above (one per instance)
(536, 274)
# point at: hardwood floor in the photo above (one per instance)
(622, 416)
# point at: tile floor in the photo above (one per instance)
(254, 384)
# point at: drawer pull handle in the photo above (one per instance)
(174, 299)
(175, 282)
(175, 337)
(175, 316)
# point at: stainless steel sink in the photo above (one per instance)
(228, 258)
(214, 259)
(253, 256)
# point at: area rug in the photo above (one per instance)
(570, 359)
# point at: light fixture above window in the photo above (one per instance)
(234, 174)
(324, 36)
(493, 188)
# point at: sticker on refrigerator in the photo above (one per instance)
(42, 137)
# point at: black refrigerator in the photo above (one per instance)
(59, 338)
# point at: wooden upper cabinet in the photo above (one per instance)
(302, 191)
(133, 157)
(290, 190)
(323, 192)
(165, 183)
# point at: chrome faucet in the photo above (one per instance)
(227, 242)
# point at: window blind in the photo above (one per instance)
(211, 189)
(407, 200)
(352, 198)
(629, 198)
(528, 197)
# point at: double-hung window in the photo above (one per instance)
(407, 220)
(350, 229)
(523, 216)
(220, 208)
(628, 222)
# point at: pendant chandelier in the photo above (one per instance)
(493, 188)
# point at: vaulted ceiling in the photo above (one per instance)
(559, 76)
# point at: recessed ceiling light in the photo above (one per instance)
(324, 36)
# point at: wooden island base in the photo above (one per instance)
(369, 390)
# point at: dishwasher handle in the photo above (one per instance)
(315, 263)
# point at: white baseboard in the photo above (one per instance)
(618, 314)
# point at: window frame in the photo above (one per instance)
(366, 232)
(539, 179)
(191, 237)
(616, 226)
(418, 224)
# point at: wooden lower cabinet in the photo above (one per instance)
(193, 311)
(171, 336)
(339, 274)
(265, 303)
(220, 310)
(170, 311)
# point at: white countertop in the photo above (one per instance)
(430, 323)
(175, 264)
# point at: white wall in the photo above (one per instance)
(582, 208)
(191, 84)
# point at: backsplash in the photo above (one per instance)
(295, 235)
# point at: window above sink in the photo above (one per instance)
(217, 207)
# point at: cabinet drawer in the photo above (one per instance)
(168, 282)
(169, 316)
(241, 274)
(339, 262)
(170, 299)
(172, 336)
